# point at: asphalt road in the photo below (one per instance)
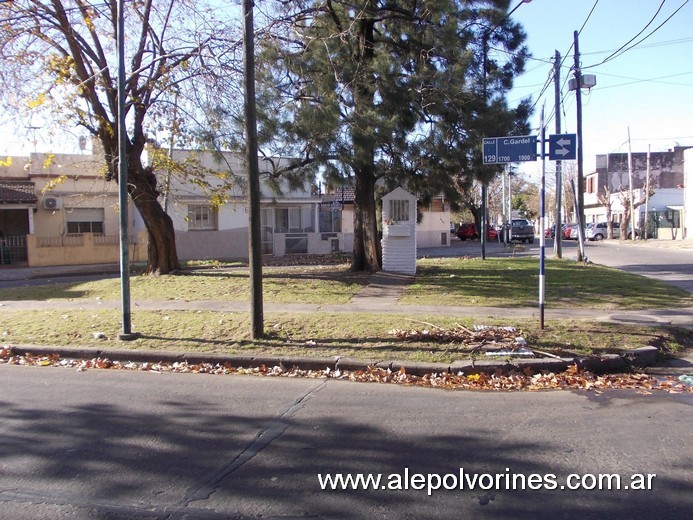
(113, 445)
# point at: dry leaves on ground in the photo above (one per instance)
(573, 378)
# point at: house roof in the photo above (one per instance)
(18, 192)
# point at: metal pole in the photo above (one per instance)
(482, 233)
(510, 205)
(647, 197)
(558, 238)
(542, 238)
(580, 202)
(504, 205)
(251, 148)
(127, 333)
(630, 189)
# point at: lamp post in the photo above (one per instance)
(126, 334)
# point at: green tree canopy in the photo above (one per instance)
(397, 92)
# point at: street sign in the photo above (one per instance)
(562, 147)
(510, 149)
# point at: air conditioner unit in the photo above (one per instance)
(52, 203)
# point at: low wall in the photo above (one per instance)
(82, 249)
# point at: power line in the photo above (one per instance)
(653, 80)
(639, 33)
(622, 49)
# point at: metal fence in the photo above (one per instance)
(13, 250)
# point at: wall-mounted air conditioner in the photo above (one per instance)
(52, 203)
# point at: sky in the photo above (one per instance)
(647, 89)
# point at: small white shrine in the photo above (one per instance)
(399, 232)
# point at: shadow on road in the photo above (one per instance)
(199, 458)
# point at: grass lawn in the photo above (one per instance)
(514, 282)
(365, 336)
(507, 282)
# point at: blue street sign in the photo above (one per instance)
(562, 147)
(510, 149)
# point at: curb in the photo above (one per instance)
(637, 358)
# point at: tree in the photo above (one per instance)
(605, 200)
(392, 93)
(624, 197)
(525, 198)
(59, 58)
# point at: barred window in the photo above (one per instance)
(84, 220)
(202, 217)
(399, 210)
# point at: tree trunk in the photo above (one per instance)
(162, 257)
(367, 251)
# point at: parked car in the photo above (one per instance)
(567, 230)
(522, 230)
(467, 230)
(491, 233)
(574, 232)
(600, 230)
(550, 232)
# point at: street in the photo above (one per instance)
(115, 445)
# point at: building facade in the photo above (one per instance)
(661, 174)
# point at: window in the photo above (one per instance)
(590, 185)
(297, 219)
(202, 217)
(330, 218)
(437, 204)
(84, 220)
(399, 210)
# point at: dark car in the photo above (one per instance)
(522, 230)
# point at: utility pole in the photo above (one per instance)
(630, 189)
(580, 202)
(647, 197)
(558, 244)
(251, 147)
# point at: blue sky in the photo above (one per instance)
(648, 88)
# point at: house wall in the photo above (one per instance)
(230, 239)
(83, 249)
(434, 229)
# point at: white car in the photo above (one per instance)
(600, 231)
